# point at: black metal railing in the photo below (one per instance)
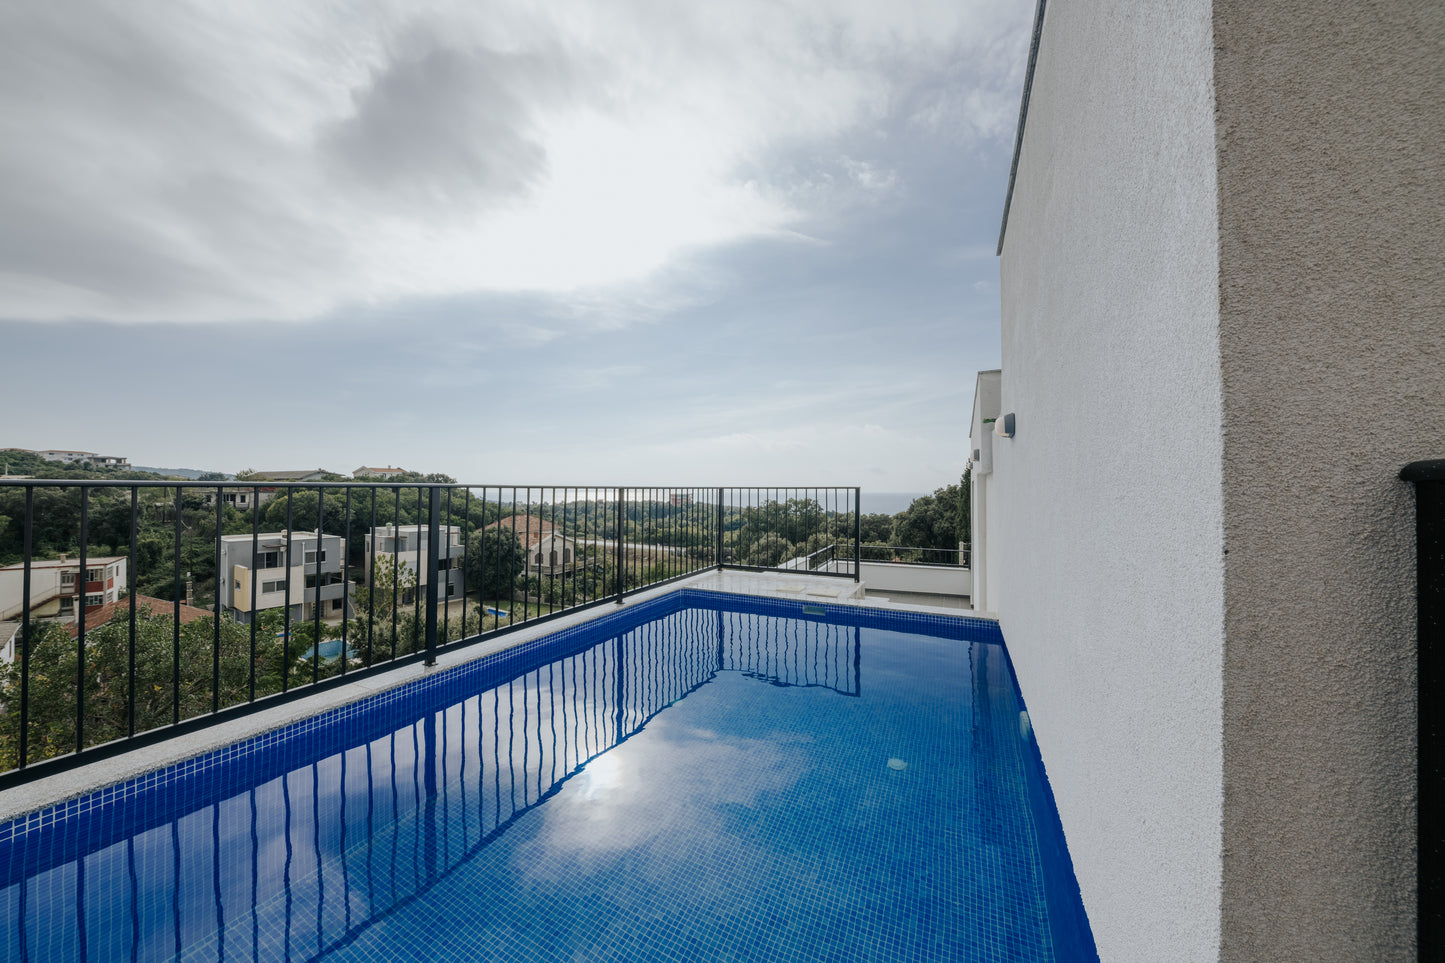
(379, 809)
(181, 609)
(836, 559)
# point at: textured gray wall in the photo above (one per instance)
(1107, 540)
(1331, 119)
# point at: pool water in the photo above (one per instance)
(700, 777)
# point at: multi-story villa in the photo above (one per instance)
(56, 585)
(67, 457)
(548, 553)
(256, 582)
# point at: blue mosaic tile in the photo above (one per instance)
(700, 776)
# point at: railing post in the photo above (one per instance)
(432, 556)
(618, 546)
(857, 534)
(1429, 479)
(719, 529)
(25, 629)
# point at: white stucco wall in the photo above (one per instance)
(981, 440)
(931, 579)
(1105, 555)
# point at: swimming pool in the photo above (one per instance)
(701, 776)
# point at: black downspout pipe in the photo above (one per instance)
(1429, 479)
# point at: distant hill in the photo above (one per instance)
(192, 473)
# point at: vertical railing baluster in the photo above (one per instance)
(255, 550)
(553, 552)
(416, 616)
(346, 602)
(466, 555)
(527, 558)
(447, 595)
(857, 534)
(432, 557)
(619, 555)
(512, 569)
(24, 747)
(371, 555)
(286, 598)
(216, 614)
(130, 571)
(395, 566)
(719, 529)
(316, 601)
(80, 634)
(176, 617)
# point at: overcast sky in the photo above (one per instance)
(632, 242)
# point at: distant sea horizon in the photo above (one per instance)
(887, 503)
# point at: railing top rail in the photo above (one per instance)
(252, 483)
(911, 548)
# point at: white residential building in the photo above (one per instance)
(56, 587)
(314, 574)
(409, 544)
(80, 457)
(547, 552)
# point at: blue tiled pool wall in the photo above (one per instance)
(91, 822)
(1068, 921)
(821, 659)
(152, 789)
(149, 791)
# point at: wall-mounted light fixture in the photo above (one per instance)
(1004, 425)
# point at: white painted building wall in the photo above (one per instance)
(1104, 514)
(981, 441)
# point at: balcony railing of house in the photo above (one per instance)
(225, 610)
(839, 559)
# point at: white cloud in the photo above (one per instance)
(279, 161)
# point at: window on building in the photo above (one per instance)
(336, 605)
(268, 559)
(539, 558)
(91, 601)
(94, 574)
(237, 584)
(566, 555)
(67, 604)
(451, 590)
(276, 585)
(67, 578)
(311, 556)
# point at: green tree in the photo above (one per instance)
(964, 525)
(876, 527)
(494, 560)
(931, 521)
(53, 671)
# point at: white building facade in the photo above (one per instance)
(1221, 342)
(58, 588)
(259, 577)
(409, 544)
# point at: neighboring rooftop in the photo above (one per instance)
(305, 474)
